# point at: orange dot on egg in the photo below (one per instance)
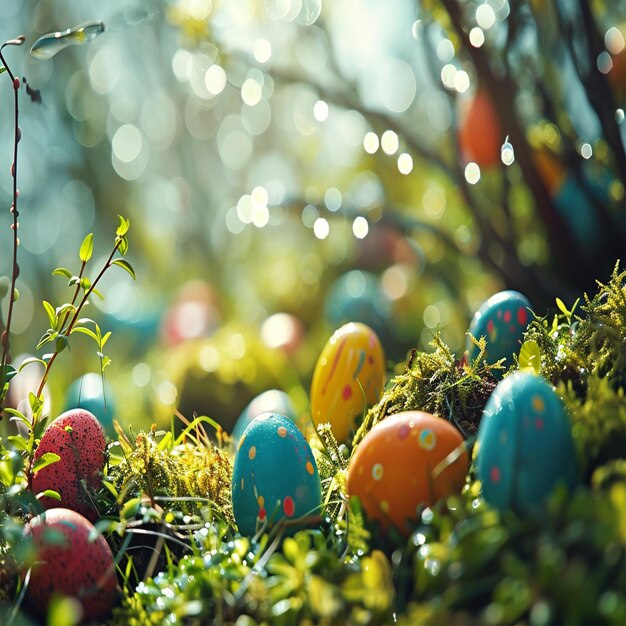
(309, 468)
(252, 453)
(282, 431)
(261, 501)
(538, 404)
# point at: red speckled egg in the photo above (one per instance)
(78, 438)
(399, 466)
(71, 559)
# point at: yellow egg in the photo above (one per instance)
(349, 376)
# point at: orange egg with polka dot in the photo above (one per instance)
(349, 376)
(408, 460)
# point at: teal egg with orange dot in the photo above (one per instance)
(275, 477)
(502, 320)
(525, 444)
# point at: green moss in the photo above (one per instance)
(187, 471)
(438, 383)
(575, 347)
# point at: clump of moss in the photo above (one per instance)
(598, 422)
(438, 383)
(575, 347)
(185, 471)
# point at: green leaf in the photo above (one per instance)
(122, 244)
(86, 248)
(122, 229)
(7, 373)
(47, 458)
(3, 70)
(530, 357)
(52, 316)
(47, 337)
(85, 331)
(29, 360)
(19, 442)
(62, 271)
(98, 293)
(61, 343)
(49, 493)
(66, 309)
(562, 307)
(126, 265)
(105, 338)
(18, 415)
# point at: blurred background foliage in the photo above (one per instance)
(288, 165)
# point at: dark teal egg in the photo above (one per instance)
(357, 296)
(502, 320)
(270, 401)
(525, 445)
(87, 392)
(275, 476)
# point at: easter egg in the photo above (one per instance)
(575, 202)
(91, 393)
(357, 296)
(525, 445)
(408, 460)
(72, 559)
(77, 437)
(275, 476)
(502, 319)
(480, 136)
(193, 314)
(270, 401)
(349, 376)
(550, 168)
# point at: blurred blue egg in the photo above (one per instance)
(87, 392)
(356, 296)
(270, 401)
(577, 208)
(275, 476)
(525, 444)
(502, 319)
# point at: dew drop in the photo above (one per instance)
(51, 44)
(507, 153)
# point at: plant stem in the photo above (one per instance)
(75, 317)
(16, 269)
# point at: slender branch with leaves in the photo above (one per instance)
(6, 370)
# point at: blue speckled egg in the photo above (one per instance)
(525, 445)
(502, 319)
(270, 401)
(275, 476)
(88, 392)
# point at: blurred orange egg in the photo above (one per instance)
(551, 170)
(480, 136)
(408, 460)
(617, 76)
(349, 376)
